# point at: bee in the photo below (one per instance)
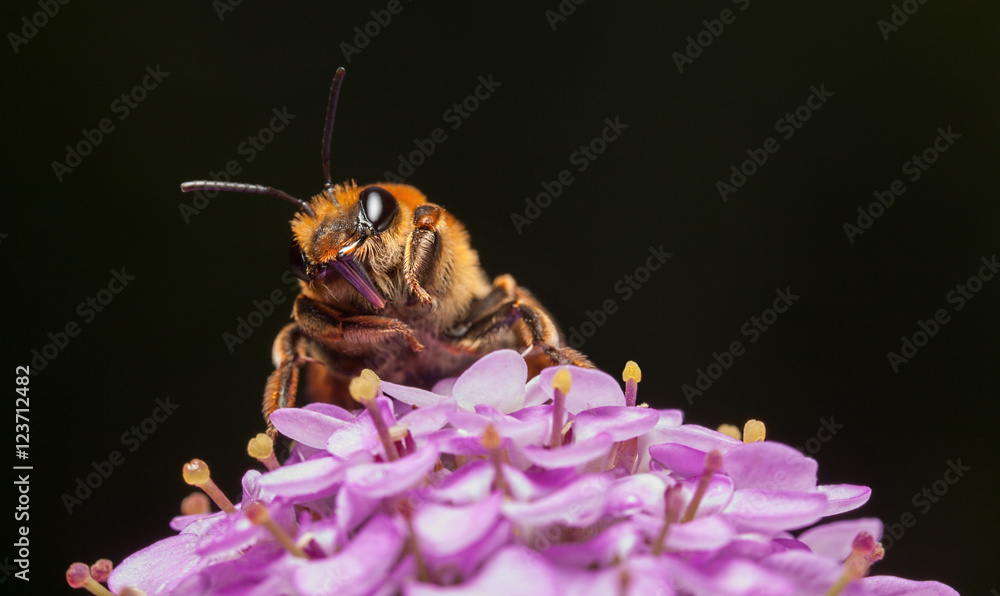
(389, 281)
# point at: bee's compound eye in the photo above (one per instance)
(378, 206)
(297, 261)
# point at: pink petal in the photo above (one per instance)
(689, 435)
(773, 510)
(526, 486)
(811, 574)
(359, 568)
(445, 530)
(591, 388)
(834, 540)
(577, 505)
(360, 435)
(680, 460)
(330, 410)
(472, 482)
(579, 582)
(733, 577)
(429, 418)
(305, 426)
(351, 508)
(511, 571)
(575, 454)
(717, 496)
(533, 394)
(622, 422)
(631, 494)
(410, 395)
(844, 497)
(156, 569)
(771, 466)
(615, 543)
(377, 480)
(885, 585)
(444, 386)
(703, 533)
(315, 478)
(496, 380)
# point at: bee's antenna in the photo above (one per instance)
(331, 110)
(254, 189)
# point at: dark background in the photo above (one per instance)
(825, 358)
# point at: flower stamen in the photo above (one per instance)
(364, 388)
(865, 551)
(674, 501)
(492, 440)
(101, 569)
(196, 504)
(261, 448)
(561, 383)
(713, 462)
(78, 576)
(258, 515)
(196, 473)
(405, 508)
(730, 430)
(632, 376)
(753, 431)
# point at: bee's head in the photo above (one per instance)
(342, 234)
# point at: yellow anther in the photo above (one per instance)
(196, 472)
(731, 430)
(260, 447)
(370, 375)
(363, 389)
(631, 372)
(753, 432)
(562, 380)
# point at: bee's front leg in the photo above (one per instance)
(422, 253)
(509, 308)
(289, 352)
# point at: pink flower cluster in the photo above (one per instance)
(494, 485)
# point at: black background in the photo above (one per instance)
(653, 186)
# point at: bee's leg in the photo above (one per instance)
(509, 308)
(331, 327)
(422, 252)
(289, 352)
